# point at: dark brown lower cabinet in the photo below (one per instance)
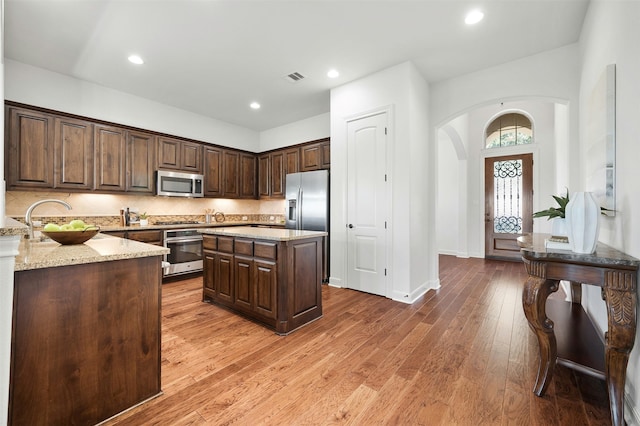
(277, 283)
(86, 341)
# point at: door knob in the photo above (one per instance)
(350, 225)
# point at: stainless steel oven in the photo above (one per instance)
(185, 255)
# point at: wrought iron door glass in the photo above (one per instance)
(507, 210)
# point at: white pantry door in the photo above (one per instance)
(367, 204)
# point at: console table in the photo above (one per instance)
(616, 273)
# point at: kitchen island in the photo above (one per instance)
(273, 276)
(86, 330)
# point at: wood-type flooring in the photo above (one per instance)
(462, 355)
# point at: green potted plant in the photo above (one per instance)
(144, 219)
(559, 227)
(555, 212)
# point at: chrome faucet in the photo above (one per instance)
(27, 217)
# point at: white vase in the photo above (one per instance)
(559, 227)
(583, 222)
(144, 222)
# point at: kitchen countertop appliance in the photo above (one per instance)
(185, 254)
(307, 195)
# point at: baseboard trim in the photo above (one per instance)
(417, 293)
(335, 282)
(631, 415)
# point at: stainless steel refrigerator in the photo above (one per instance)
(307, 195)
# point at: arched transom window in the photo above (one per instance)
(509, 130)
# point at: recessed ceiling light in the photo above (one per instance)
(135, 59)
(254, 105)
(333, 74)
(473, 17)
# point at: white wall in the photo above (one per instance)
(422, 181)
(452, 187)
(309, 129)
(448, 190)
(39, 87)
(548, 75)
(401, 90)
(610, 36)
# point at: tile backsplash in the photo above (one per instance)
(103, 209)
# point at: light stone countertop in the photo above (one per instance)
(13, 227)
(153, 226)
(101, 248)
(263, 233)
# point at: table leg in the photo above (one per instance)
(620, 296)
(534, 298)
(576, 292)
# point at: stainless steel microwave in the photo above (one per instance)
(179, 184)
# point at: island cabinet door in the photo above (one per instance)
(244, 284)
(223, 277)
(209, 290)
(266, 282)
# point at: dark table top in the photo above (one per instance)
(532, 246)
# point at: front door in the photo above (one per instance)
(367, 204)
(508, 204)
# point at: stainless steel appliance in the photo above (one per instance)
(179, 184)
(185, 255)
(307, 195)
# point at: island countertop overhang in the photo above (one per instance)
(273, 234)
(101, 248)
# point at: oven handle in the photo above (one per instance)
(182, 240)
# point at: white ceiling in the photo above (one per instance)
(213, 57)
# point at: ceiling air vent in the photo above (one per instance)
(294, 77)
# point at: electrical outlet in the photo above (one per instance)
(272, 218)
(245, 218)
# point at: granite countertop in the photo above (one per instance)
(13, 227)
(137, 227)
(101, 248)
(263, 233)
(533, 246)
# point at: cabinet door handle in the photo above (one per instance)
(350, 225)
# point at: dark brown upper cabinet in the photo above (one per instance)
(141, 154)
(315, 156)
(264, 176)
(52, 150)
(73, 154)
(110, 158)
(180, 155)
(213, 171)
(248, 173)
(30, 151)
(291, 160)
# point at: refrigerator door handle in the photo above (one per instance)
(299, 221)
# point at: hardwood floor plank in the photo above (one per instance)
(353, 406)
(461, 355)
(515, 410)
